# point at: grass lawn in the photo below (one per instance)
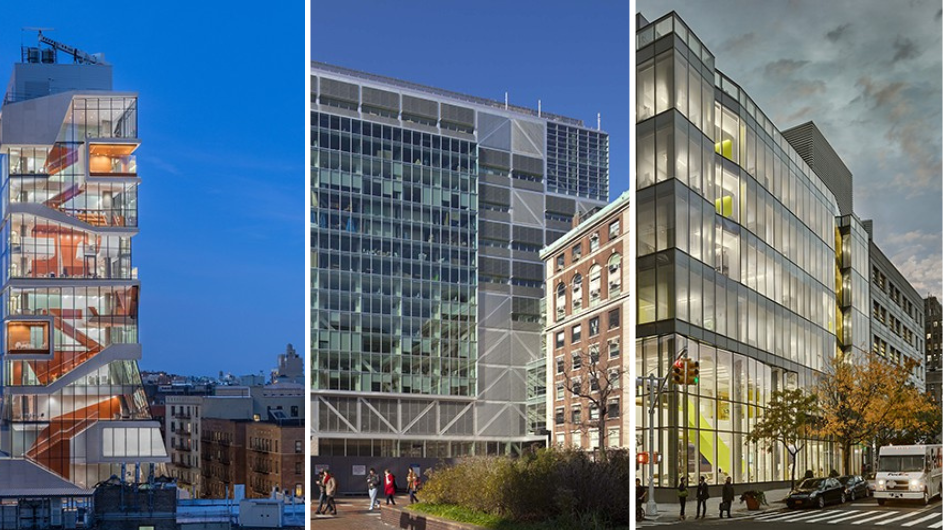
(465, 515)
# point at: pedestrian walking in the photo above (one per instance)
(639, 500)
(412, 485)
(322, 498)
(373, 486)
(726, 498)
(330, 489)
(389, 487)
(682, 494)
(702, 495)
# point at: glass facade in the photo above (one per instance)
(577, 162)
(428, 212)
(71, 391)
(736, 253)
(394, 217)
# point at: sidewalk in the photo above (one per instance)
(672, 511)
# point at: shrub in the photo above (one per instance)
(566, 485)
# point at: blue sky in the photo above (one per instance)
(221, 250)
(574, 57)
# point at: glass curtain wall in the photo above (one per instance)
(394, 270)
(736, 240)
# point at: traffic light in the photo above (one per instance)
(641, 458)
(693, 369)
(677, 372)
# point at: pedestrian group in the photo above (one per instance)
(327, 488)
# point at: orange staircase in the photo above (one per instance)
(59, 199)
(65, 361)
(52, 446)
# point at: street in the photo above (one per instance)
(860, 514)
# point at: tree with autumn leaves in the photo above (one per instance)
(788, 420)
(862, 400)
(857, 401)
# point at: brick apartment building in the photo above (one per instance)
(587, 329)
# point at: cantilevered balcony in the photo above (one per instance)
(112, 160)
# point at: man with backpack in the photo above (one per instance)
(373, 485)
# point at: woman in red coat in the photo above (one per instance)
(389, 487)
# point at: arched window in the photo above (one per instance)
(595, 284)
(577, 292)
(615, 275)
(561, 301)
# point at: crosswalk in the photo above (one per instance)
(928, 518)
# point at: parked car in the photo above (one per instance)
(816, 492)
(856, 487)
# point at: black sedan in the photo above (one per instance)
(856, 487)
(816, 492)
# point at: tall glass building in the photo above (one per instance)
(429, 209)
(736, 264)
(752, 261)
(71, 397)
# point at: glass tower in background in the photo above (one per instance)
(72, 399)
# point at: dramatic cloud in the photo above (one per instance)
(836, 34)
(784, 67)
(739, 43)
(877, 101)
(904, 49)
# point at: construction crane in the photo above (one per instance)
(78, 56)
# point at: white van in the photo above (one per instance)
(909, 472)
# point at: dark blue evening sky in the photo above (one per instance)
(221, 249)
(573, 56)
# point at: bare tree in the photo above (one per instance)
(596, 379)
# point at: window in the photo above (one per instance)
(595, 284)
(577, 292)
(614, 348)
(594, 326)
(560, 262)
(559, 416)
(615, 379)
(298, 446)
(594, 353)
(575, 333)
(576, 253)
(615, 275)
(561, 339)
(613, 437)
(577, 385)
(614, 229)
(594, 242)
(615, 318)
(612, 408)
(560, 391)
(593, 412)
(560, 364)
(576, 416)
(561, 301)
(577, 361)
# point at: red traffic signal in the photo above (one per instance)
(641, 458)
(677, 372)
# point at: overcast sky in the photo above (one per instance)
(869, 75)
